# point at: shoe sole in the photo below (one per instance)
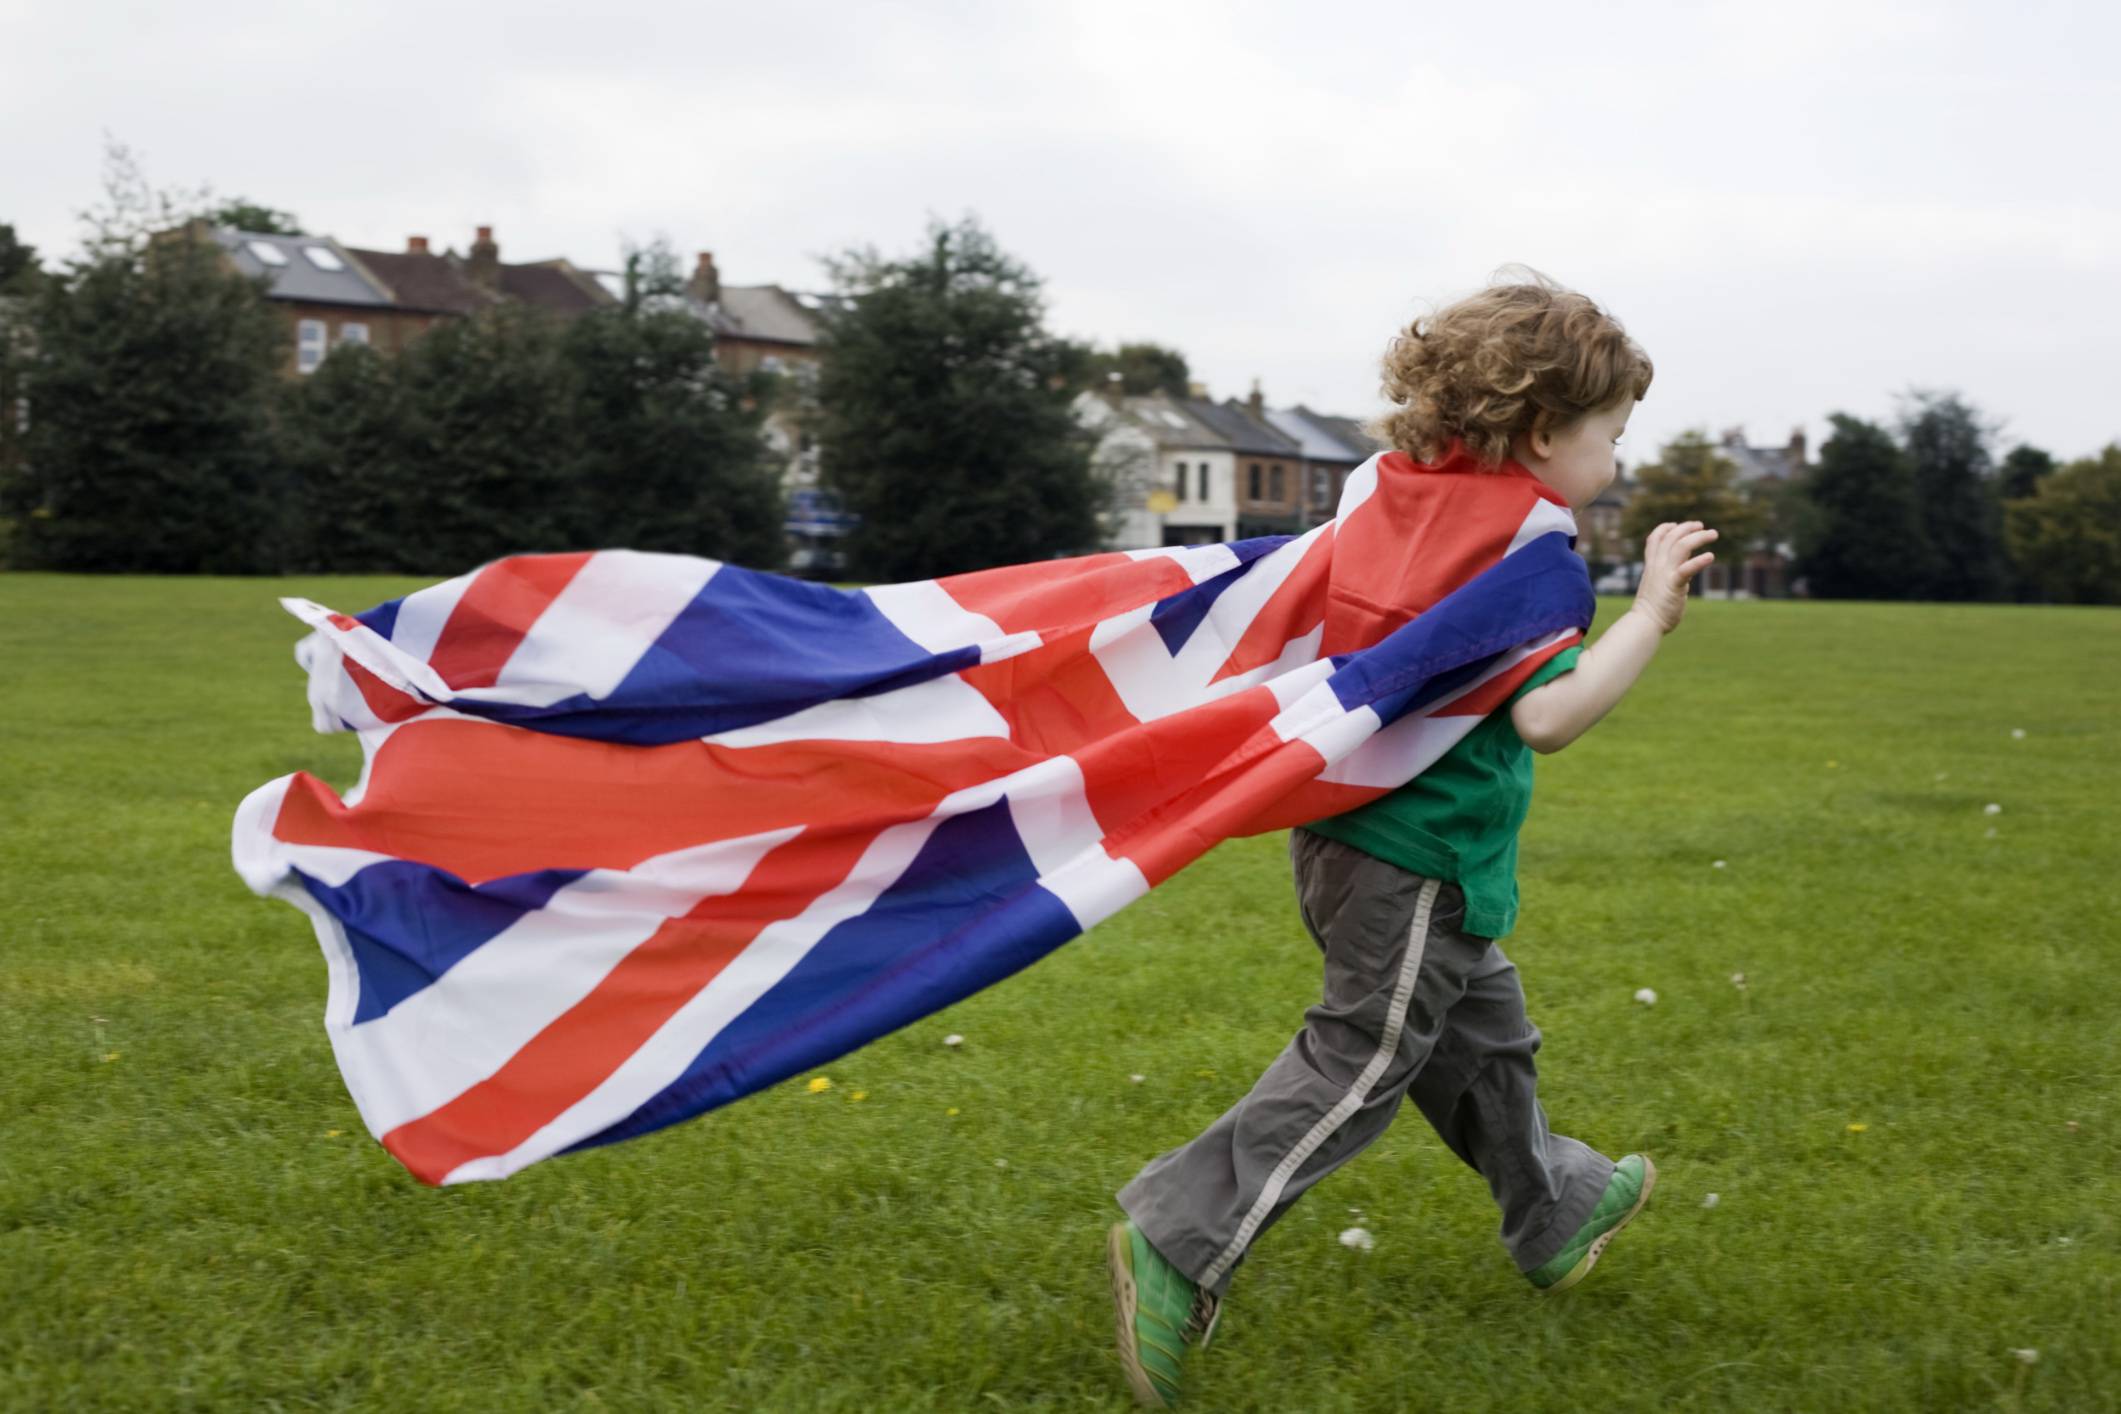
(1598, 1244)
(1119, 1256)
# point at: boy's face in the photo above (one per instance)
(1577, 460)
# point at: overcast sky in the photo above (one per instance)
(1798, 206)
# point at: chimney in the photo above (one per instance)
(706, 282)
(1734, 436)
(1799, 451)
(416, 245)
(486, 260)
(1257, 403)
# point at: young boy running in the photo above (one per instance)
(1406, 896)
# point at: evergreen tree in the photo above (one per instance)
(1864, 537)
(19, 274)
(945, 419)
(2022, 471)
(491, 442)
(1135, 369)
(2066, 536)
(149, 445)
(1691, 480)
(671, 456)
(1948, 446)
(355, 472)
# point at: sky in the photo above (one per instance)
(1799, 208)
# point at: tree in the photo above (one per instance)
(1691, 480)
(355, 467)
(246, 215)
(2022, 472)
(2066, 536)
(1138, 369)
(671, 456)
(1948, 446)
(149, 445)
(19, 274)
(945, 419)
(1864, 537)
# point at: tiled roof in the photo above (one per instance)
(1169, 423)
(1234, 425)
(768, 312)
(552, 284)
(297, 274)
(429, 283)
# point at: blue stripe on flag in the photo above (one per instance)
(966, 913)
(410, 923)
(749, 648)
(1176, 617)
(1541, 589)
(383, 618)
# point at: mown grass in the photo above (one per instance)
(1908, 1113)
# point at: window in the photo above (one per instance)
(1203, 481)
(1181, 481)
(1275, 489)
(323, 259)
(266, 252)
(355, 333)
(309, 345)
(1252, 482)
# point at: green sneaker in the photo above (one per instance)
(1633, 1178)
(1160, 1314)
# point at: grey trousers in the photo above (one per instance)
(1412, 1007)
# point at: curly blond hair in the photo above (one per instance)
(1524, 354)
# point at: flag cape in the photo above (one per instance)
(639, 834)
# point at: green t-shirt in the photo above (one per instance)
(1458, 820)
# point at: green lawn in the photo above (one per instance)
(1908, 1114)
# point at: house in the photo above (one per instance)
(1331, 448)
(1174, 476)
(1765, 570)
(1266, 464)
(335, 294)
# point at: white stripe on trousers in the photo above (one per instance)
(1387, 1044)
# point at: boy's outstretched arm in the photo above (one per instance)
(1550, 717)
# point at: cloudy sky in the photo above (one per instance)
(1799, 207)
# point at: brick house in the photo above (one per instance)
(1331, 447)
(1765, 571)
(1267, 463)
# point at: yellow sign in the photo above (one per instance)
(1162, 502)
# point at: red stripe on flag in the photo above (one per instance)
(498, 608)
(1498, 690)
(582, 1047)
(483, 801)
(384, 700)
(1056, 698)
(1126, 777)
(1064, 593)
(1296, 607)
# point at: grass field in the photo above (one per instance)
(1908, 1114)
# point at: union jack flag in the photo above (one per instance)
(639, 834)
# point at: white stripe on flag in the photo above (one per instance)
(942, 709)
(1543, 519)
(464, 1026)
(591, 636)
(423, 614)
(749, 975)
(924, 611)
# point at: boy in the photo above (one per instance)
(1406, 896)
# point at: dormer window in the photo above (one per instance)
(323, 259)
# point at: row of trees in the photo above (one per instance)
(1922, 509)
(162, 435)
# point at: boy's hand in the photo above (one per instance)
(1669, 565)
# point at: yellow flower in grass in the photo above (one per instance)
(859, 1095)
(819, 1085)
(1857, 1128)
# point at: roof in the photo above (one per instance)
(1169, 424)
(555, 285)
(770, 313)
(310, 268)
(1756, 463)
(1322, 437)
(1235, 426)
(431, 283)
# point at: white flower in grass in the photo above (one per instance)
(1136, 1079)
(953, 1039)
(1358, 1239)
(1001, 1163)
(2017, 734)
(2026, 1355)
(1719, 864)
(1992, 809)
(1646, 995)
(1738, 980)
(1710, 1200)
